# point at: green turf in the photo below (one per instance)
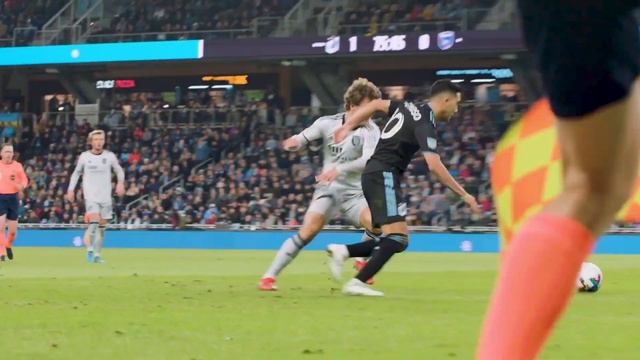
(183, 304)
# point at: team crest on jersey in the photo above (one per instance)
(356, 140)
(104, 161)
(348, 150)
(432, 143)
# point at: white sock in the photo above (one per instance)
(93, 231)
(288, 251)
(99, 241)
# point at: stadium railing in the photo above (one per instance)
(237, 227)
(172, 35)
(435, 25)
(212, 117)
(260, 27)
(468, 20)
(160, 117)
(177, 181)
(240, 227)
(217, 117)
(5, 42)
(85, 30)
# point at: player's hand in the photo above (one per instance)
(340, 135)
(120, 189)
(70, 196)
(328, 176)
(473, 203)
(291, 144)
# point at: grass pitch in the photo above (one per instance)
(203, 304)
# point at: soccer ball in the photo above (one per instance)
(589, 278)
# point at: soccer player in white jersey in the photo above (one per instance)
(339, 187)
(95, 166)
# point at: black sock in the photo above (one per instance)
(385, 251)
(361, 249)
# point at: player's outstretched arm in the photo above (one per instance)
(437, 168)
(115, 165)
(360, 117)
(314, 132)
(75, 176)
(23, 179)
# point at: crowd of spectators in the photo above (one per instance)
(25, 14)
(178, 19)
(234, 173)
(378, 16)
(174, 19)
(170, 16)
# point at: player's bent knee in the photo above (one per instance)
(312, 225)
(398, 242)
(594, 199)
(307, 233)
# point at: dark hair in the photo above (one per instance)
(409, 96)
(444, 85)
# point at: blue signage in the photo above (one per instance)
(111, 52)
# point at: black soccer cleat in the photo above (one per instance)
(10, 253)
(2, 258)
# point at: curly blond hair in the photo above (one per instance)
(359, 90)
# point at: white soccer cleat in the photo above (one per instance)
(356, 287)
(338, 255)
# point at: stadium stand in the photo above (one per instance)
(25, 14)
(146, 20)
(227, 167)
(372, 17)
(165, 20)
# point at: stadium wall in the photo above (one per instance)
(271, 240)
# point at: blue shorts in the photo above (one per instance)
(9, 206)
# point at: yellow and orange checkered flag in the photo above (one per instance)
(526, 173)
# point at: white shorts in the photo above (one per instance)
(104, 209)
(330, 201)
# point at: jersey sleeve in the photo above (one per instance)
(75, 176)
(115, 165)
(314, 132)
(393, 106)
(426, 138)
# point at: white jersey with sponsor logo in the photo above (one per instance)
(96, 175)
(350, 156)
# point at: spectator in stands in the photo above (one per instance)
(248, 179)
